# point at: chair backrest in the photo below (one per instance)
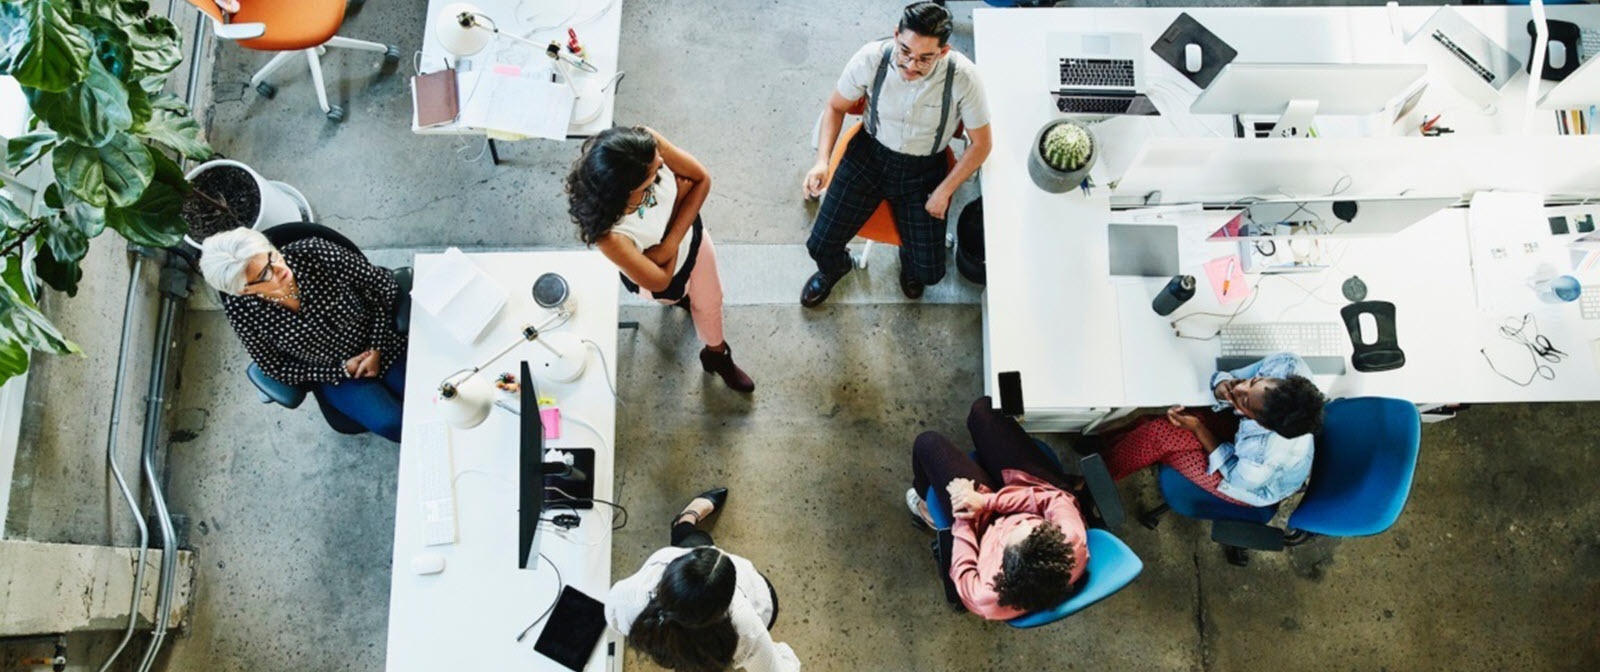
(208, 8)
(284, 234)
(1112, 565)
(1361, 472)
(1192, 501)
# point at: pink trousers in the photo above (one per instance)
(704, 290)
(1153, 441)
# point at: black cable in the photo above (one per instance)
(615, 506)
(1538, 347)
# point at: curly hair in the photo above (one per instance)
(686, 626)
(1037, 574)
(611, 165)
(1292, 408)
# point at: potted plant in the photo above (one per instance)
(1063, 152)
(227, 195)
(98, 154)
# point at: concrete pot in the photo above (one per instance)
(1048, 177)
(280, 203)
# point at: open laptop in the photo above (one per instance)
(1464, 56)
(1097, 73)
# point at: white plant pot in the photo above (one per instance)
(280, 203)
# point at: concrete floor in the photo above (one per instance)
(1493, 566)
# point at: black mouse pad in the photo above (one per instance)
(573, 630)
(1214, 53)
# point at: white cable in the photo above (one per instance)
(605, 369)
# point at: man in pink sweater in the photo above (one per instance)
(1020, 544)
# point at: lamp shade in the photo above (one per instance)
(465, 405)
(460, 31)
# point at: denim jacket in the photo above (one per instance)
(1259, 467)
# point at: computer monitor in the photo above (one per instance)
(1299, 91)
(1578, 91)
(530, 473)
(1330, 217)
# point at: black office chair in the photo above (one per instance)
(272, 391)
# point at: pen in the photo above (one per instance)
(1227, 277)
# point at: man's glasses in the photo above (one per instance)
(924, 60)
(266, 271)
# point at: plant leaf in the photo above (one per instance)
(22, 326)
(10, 214)
(13, 33)
(54, 263)
(157, 46)
(156, 220)
(13, 358)
(53, 55)
(115, 174)
(89, 220)
(90, 112)
(23, 150)
(138, 106)
(110, 44)
(177, 131)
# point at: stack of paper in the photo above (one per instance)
(508, 101)
(460, 296)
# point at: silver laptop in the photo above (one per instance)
(1464, 56)
(1097, 73)
(1147, 250)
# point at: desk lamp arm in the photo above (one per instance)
(530, 334)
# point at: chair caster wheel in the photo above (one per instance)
(1238, 557)
(1296, 537)
(1150, 521)
(335, 113)
(266, 90)
(391, 55)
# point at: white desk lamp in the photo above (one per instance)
(465, 399)
(464, 30)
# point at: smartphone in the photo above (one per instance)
(1011, 393)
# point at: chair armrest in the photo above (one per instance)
(272, 391)
(402, 308)
(238, 31)
(1103, 490)
(1245, 534)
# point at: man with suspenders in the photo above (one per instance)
(918, 91)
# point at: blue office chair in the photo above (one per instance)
(272, 391)
(1361, 473)
(1112, 564)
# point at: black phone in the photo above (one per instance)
(1011, 393)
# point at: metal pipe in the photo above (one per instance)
(174, 287)
(116, 471)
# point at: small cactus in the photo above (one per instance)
(1067, 147)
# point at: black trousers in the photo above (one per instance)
(1002, 444)
(869, 174)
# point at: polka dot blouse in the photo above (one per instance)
(346, 308)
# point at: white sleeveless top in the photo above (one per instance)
(647, 226)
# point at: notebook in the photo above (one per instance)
(434, 97)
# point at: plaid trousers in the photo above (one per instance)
(868, 174)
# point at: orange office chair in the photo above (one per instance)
(880, 227)
(289, 27)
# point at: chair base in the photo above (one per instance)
(1237, 557)
(391, 56)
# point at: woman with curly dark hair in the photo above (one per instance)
(1020, 543)
(647, 222)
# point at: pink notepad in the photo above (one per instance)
(551, 419)
(1227, 271)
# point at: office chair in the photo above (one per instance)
(880, 226)
(289, 27)
(1112, 565)
(272, 391)
(1361, 473)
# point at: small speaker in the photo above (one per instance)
(550, 290)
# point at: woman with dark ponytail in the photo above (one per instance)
(694, 607)
(646, 220)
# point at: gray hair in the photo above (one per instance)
(225, 256)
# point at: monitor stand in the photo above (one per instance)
(1296, 119)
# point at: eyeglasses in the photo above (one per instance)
(924, 60)
(266, 271)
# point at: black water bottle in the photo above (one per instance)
(1178, 290)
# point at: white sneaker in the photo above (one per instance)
(916, 505)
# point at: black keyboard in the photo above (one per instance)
(1096, 72)
(1094, 104)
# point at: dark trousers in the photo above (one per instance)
(1002, 444)
(869, 174)
(374, 403)
(688, 535)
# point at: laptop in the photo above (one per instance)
(1144, 250)
(1464, 56)
(1098, 73)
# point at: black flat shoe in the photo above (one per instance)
(817, 288)
(911, 287)
(717, 496)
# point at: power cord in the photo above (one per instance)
(1538, 347)
(605, 370)
(1228, 318)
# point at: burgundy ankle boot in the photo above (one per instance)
(721, 363)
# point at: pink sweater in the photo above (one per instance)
(979, 550)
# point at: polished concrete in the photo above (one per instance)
(1492, 566)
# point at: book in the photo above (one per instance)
(435, 98)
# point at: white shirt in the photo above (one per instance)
(648, 225)
(750, 611)
(908, 112)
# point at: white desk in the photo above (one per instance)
(597, 22)
(1087, 344)
(468, 616)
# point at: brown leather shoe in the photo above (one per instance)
(721, 363)
(817, 288)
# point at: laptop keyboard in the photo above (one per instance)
(1093, 105)
(1097, 72)
(1449, 44)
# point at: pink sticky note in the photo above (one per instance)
(1227, 273)
(507, 70)
(551, 419)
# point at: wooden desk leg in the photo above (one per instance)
(494, 154)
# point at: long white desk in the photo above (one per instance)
(1088, 344)
(599, 27)
(468, 616)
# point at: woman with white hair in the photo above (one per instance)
(315, 314)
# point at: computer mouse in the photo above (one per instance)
(427, 563)
(1191, 57)
(1558, 55)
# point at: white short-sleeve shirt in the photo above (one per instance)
(908, 112)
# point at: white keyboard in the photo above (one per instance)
(1589, 302)
(438, 497)
(1307, 339)
(1588, 45)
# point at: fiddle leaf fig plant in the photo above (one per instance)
(98, 151)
